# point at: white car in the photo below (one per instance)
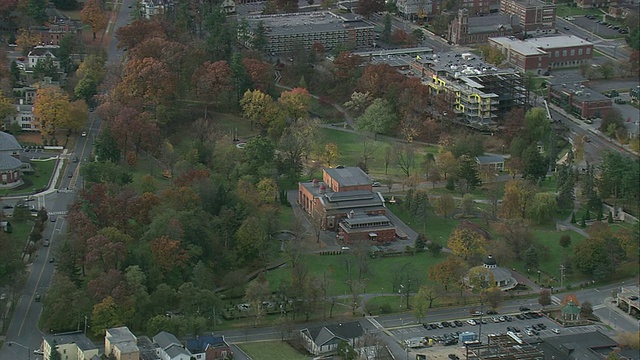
(471, 322)
(569, 18)
(84, 133)
(38, 352)
(556, 331)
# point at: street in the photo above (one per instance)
(23, 332)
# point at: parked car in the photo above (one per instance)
(471, 322)
(491, 312)
(524, 308)
(45, 243)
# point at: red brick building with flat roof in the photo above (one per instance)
(534, 15)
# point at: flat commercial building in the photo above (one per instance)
(286, 31)
(541, 54)
(534, 15)
(476, 91)
(579, 100)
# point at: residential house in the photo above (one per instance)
(10, 164)
(534, 15)
(493, 162)
(151, 8)
(121, 343)
(465, 30)
(170, 348)
(209, 347)
(621, 11)
(52, 33)
(42, 52)
(322, 340)
(71, 346)
(544, 53)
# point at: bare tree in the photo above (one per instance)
(369, 147)
(404, 156)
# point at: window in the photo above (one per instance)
(564, 53)
(573, 52)
(588, 51)
(557, 53)
(579, 51)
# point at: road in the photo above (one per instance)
(23, 331)
(438, 44)
(586, 29)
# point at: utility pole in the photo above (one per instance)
(561, 275)
(85, 324)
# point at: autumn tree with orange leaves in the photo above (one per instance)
(93, 15)
(212, 81)
(168, 253)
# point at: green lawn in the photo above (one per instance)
(343, 267)
(564, 10)
(20, 232)
(268, 350)
(39, 178)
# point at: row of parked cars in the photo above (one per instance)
(610, 26)
(443, 324)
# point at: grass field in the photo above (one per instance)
(39, 179)
(343, 267)
(21, 232)
(272, 350)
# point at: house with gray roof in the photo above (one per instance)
(10, 164)
(121, 343)
(170, 348)
(494, 162)
(325, 339)
(72, 345)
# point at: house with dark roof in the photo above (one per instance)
(72, 345)
(584, 346)
(494, 162)
(465, 29)
(170, 348)
(10, 164)
(325, 339)
(209, 347)
(42, 52)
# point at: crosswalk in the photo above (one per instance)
(555, 300)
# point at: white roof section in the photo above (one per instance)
(563, 41)
(519, 46)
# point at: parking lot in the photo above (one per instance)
(592, 25)
(532, 327)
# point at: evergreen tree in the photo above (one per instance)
(610, 218)
(583, 222)
(408, 200)
(565, 187)
(467, 170)
(573, 217)
(600, 215)
(531, 258)
(107, 147)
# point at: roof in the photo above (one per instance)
(491, 23)
(126, 347)
(323, 334)
(76, 337)
(489, 159)
(490, 261)
(165, 339)
(571, 308)
(522, 47)
(554, 42)
(199, 344)
(576, 346)
(580, 92)
(147, 349)
(8, 142)
(305, 23)
(8, 162)
(349, 176)
(123, 339)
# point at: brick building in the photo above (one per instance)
(344, 201)
(465, 29)
(579, 100)
(534, 15)
(51, 34)
(541, 54)
(586, 4)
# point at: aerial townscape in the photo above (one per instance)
(320, 179)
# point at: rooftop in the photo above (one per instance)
(349, 176)
(580, 92)
(8, 142)
(553, 42)
(576, 346)
(491, 23)
(300, 23)
(76, 337)
(523, 47)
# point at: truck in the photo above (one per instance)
(414, 342)
(467, 336)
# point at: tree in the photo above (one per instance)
(256, 293)
(255, 106)
(346, 351)
(586, 309)
(447, 162)
(468, 172)
(212, 81)
(77, 115)
(27, 40)
(51, 109)
(517, 198)
(330, 154)
(544, 297)
(358, 103)
(492, 55)
(105, 315)
(465, 243)
(565, 241)
(107, 147)
(377, 118)
(607, 69)
(531, 257)
(445, 204)
(93, 14)
(535, 165)
(260, 73)
(148, 79)
(295, 103)
(168, 253)
(543, 208)
(368, 7)
(6, 106)
(448, 272)
(536, 125)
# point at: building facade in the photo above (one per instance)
(284, 32)
(465, 30)
(533, 15)
(545, 53)
(71, 346)
(53, 33)
(579, 100)
(122, 343)
(587, 4)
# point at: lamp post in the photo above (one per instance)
(538, 277)
(22, 346)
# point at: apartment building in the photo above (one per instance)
(477, 92)
(71, 346)
(121, 343)
(587, 4)
(285, 31)
(534, 15)
(52, 33)
(542, 54)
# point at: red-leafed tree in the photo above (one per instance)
(148, 79)
(105, 285)
(413, 97)
(346, 69)
(168, 253)
(212, 81)
(381, 81)
(135, 129)
(104, 252)
(260, 73)
(191, 177)
(6, 6)
(287, 6)
(138, 31)
(368, 7)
